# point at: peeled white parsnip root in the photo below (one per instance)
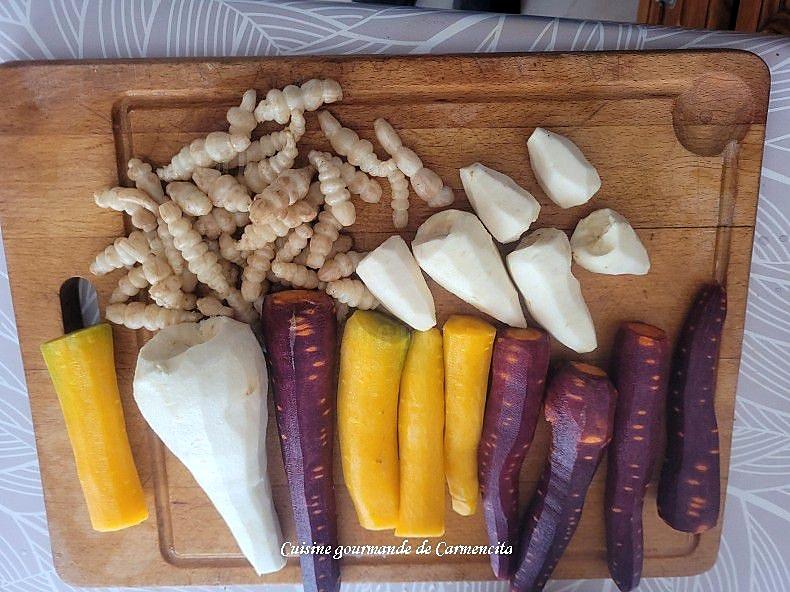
(393, 276)
(144, 178)
(217, 147)
(541, 268)
(281, 105)
(224, 191)
(346, 142)
(189, 198)
(241, 120)
(291, 186)
(561, 169)
(138, 315)
(427, 184)
(211, 306)
(353, 293)
(455, 249)
(257, 264)
(296, 275)
(337, 197)
(259, 175)
(123, 252)
(340, 266)
(506, 209)
(604, 242)
(203, 389)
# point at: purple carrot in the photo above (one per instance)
(518, 375)
(579, 407)
(301, 342)
(689, 489)
(640, 369)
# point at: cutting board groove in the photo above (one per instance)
(646, 120)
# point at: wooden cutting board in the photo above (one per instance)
(654, 124)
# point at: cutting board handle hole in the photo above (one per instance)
(79, 305)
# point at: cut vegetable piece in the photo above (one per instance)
(420, 435)
(371, 360)
(468, 346)
(689, 490)
(640, 369)
(82, 368)
(392, 275)
(518, 376)
(561, 169)
(541, 268)
(506, 209)
(202, 389)
(579, 407)
(604, 242)
(301, 341)
(455, 249)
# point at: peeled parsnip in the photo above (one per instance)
(604, 242)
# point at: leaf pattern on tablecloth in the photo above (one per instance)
(755, 545)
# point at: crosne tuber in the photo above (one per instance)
(217, 222)
(256, 265)
(216, 147)
(224, 191)
(300, 333)
(138, 315)
(294, 242)
(340, 266)
(291, 186)
(346, 142)
(579, 407)
(468, 345)
(325, 232)
(604, 242)
(259, 175)
(189, 198)
(371, 361)
(358, 181)
(152, 270)
(281, 105)
(519, 365)
(144, 178)
(399, 198)
(689, 489)
(296, 275)
(241, 120)
(211, 306)
(336, 194)
(353, 293)
(124, 252)
(426, 183)
(640, 369)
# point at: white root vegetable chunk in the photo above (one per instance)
(189, 198)
(203, 389)
(393, 276)
(224, 191)
(455, 249)
(347, 143)
(561, 169)
(506, 209)
(292, 101)
(353, 293)
(337, 197)
(217, 147)
(604, 242)
(241, 120)
(541, 268)
(427, 184)
(138, 315)
(123, 252)
(144, 178)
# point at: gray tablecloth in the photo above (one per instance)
(756, 545)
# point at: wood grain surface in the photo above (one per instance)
(676, 136)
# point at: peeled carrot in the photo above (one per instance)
(580, 410)
(518, 375)
(371, 360)
(301, 340)
(689, 489)
(468, 344)
(420, 435)
(82, 367)
(640, 369)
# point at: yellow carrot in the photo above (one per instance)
(82, 367)
(371, 360)
(468, 344)
(420, 435)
